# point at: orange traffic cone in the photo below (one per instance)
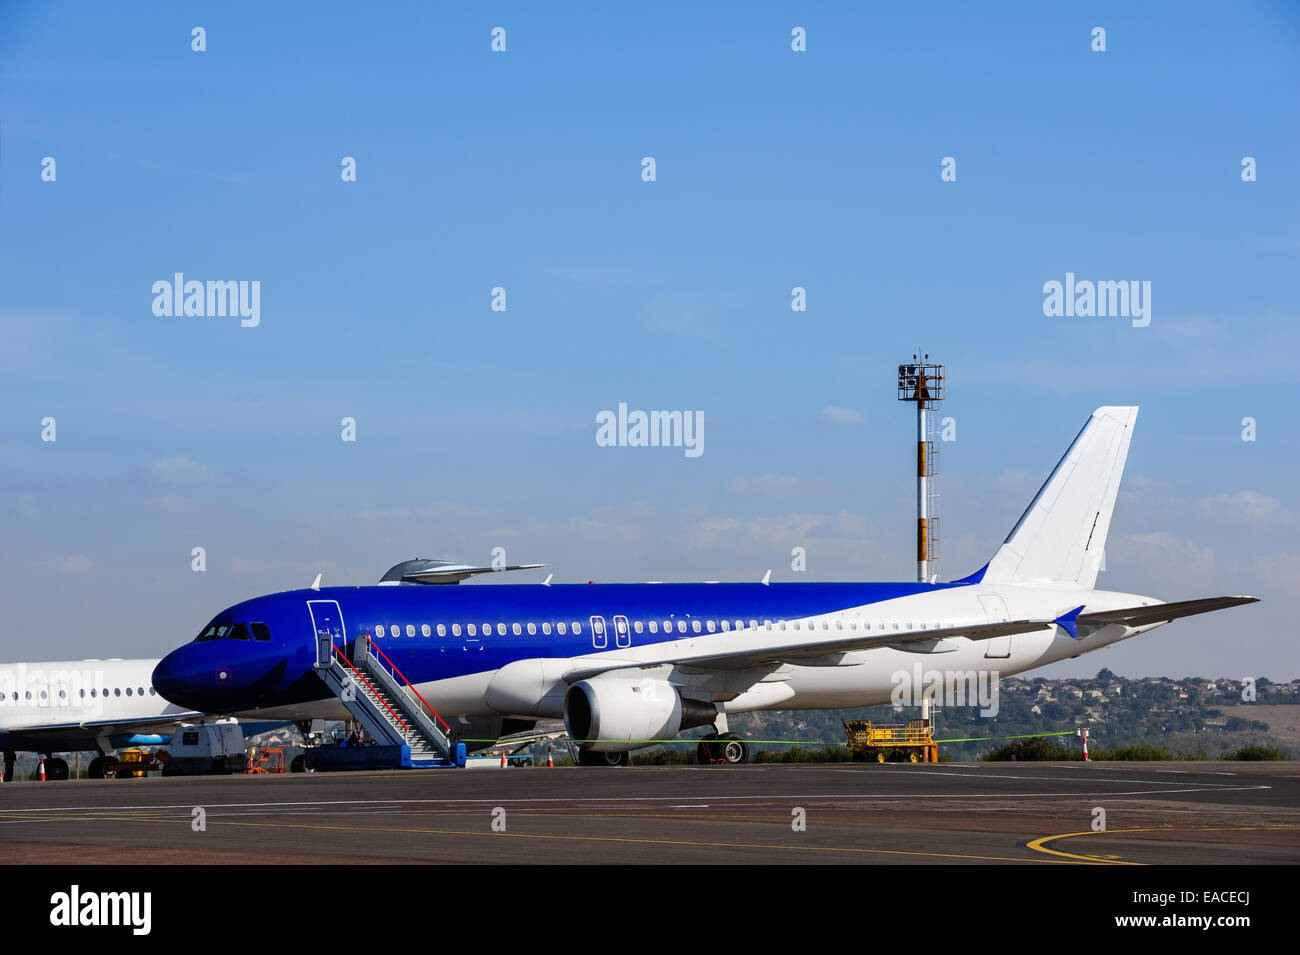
(550, 760)
(503, 759)
(41, 769)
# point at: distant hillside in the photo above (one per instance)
(1178, 714)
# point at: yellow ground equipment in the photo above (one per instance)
(136, 763)
(911, 741)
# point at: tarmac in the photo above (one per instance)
(947, 813)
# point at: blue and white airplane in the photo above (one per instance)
(624, 664)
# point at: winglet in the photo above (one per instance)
(547, 581)
(1069, 621)
(767, 578)
(315, 584)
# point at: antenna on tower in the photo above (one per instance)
(922, 381)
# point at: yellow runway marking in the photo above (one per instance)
(1040, 845)
(523, 835)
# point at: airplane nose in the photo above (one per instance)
(176, 679)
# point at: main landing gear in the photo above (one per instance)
(722, 747)
(102, 767)
(587, 757)
(727, 749)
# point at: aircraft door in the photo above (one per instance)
(327, 625)
(599, 638)
(995, 611)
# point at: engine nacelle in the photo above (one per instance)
(615, 712)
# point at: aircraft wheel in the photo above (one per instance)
(102, 767)
(587, 757)
(56, 769)
(590, 758)
(298, 764)
(733, 749)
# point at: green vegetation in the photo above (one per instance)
(1039, 749)
(1257, 752)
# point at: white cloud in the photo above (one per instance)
(26, 506)
(1248, 506)
(181, 470)
(764, 485)
(837, 415)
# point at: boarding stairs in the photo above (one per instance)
(384, 702)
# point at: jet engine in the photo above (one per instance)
(616, 712)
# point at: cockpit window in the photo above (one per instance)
(213, 632)
(238, 632)
(261, 632)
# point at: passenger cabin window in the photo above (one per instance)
(442, 630)
(559, 628)
(425, 631)
(532, 628)
(546, 627)
(455, 630)
(471, 630)
(379, 630)
(410, 629)
(261, 632)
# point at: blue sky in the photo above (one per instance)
(522, 169)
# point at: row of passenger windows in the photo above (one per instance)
(638, 626)
(236, 631)
(116, 691)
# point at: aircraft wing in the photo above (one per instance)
(1159, 613)
(810, 651)
(105, 727)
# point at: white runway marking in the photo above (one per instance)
(496, 800)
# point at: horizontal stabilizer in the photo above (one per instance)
(1160, 613)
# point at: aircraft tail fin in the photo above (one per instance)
(1062, 534)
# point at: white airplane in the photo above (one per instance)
(629, 664)
(85, 706)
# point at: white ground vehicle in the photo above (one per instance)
(207, 749)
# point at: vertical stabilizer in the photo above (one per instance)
(1061, 536)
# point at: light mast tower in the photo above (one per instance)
(923, 382)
